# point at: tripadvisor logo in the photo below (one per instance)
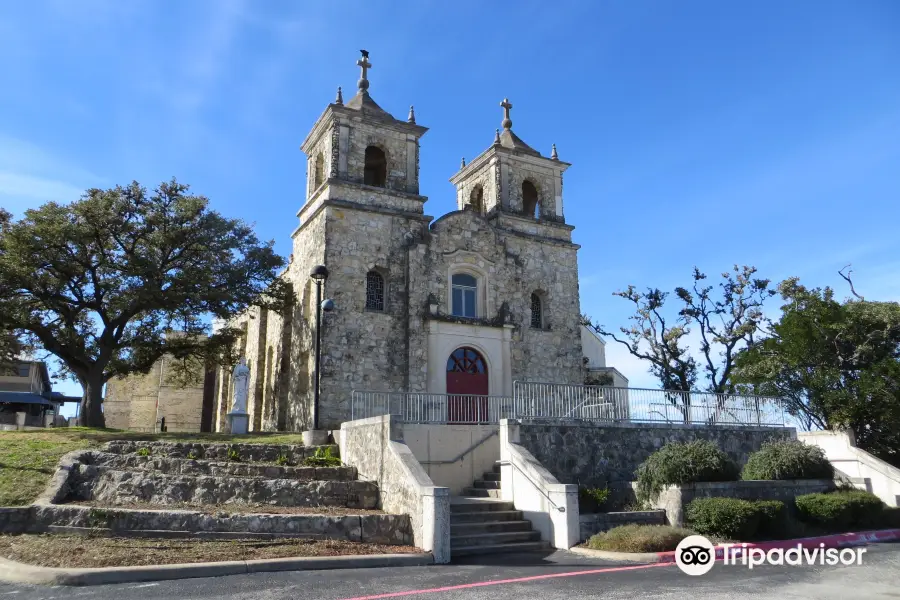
(696, 555)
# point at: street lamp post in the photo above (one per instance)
(319, 274)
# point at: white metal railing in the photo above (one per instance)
(538, 400)
(606, 403)
(432, 408)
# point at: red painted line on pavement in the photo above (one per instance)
(464, 586)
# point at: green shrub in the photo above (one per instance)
(639, 538)
(192, 455)
(591, 499)
(788, 459)
(234, 455)
(838, 511)
(143, 451)
(282, 460)
(773, 518)
(322, 458)
(676, 463)
(729, 518)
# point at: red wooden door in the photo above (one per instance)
(467, 376)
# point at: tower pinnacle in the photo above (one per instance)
(507, 122)
(365, 65)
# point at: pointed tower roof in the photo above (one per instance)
(510, 140)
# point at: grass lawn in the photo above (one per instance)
(79, 551)
(29, 458)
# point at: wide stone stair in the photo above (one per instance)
(222, 491)
(481, 523)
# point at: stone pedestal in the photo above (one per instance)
(239, 422)
(315, 437)
(20, 421)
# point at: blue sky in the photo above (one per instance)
(700, 133)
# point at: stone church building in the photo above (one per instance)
(463, 304)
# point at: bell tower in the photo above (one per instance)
(513, 178)
(358, 152)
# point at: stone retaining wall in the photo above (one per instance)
(595, 523)
(294, 454)
(601, 454)
(675, 498)
(182, 466)
(379, 529)
(126, 487)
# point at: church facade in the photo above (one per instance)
(463, 304)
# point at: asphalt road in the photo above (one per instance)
(559, 576)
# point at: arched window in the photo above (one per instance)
(537, 312)
(464, 295)
(529, 199)
(374, 291)
(319, 177)
(376, 167)
(476, 199)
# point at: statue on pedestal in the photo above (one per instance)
(238, 417)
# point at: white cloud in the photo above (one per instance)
(30, 175)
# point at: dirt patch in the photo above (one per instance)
(80, 551)
(242, 509)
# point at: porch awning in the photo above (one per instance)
(25, 398)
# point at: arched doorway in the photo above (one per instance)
(467, 386)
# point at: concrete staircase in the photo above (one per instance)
(481, 523)
(486, 487)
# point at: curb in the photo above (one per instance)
(838, 540)
(15, 572)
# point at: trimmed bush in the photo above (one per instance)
(591, 499)
(639, 538)
(788, 459)
(678, 463)
(838, 511)
(772, 518)
(729, 518)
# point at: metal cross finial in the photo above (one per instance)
(412, 115)
(507, 122)
(365, 65)
(340, 98)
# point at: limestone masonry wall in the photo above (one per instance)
(599, 454)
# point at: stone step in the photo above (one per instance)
(126, 487)
(375, 528)
(478, 504)
(484, 516)
(492, 539)
(476, 527)
(481, 493)
(540, 546)
(487, 485)
(184, 466)
(294, 454)
(491, 476)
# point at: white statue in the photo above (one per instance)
(238, 417)
(240, 378)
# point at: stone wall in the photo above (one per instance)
(600, 454)
(374, 446)
(591, 524)
(131, 402)
(675, 498)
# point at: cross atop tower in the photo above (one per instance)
(365, 65)
(507, 122)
